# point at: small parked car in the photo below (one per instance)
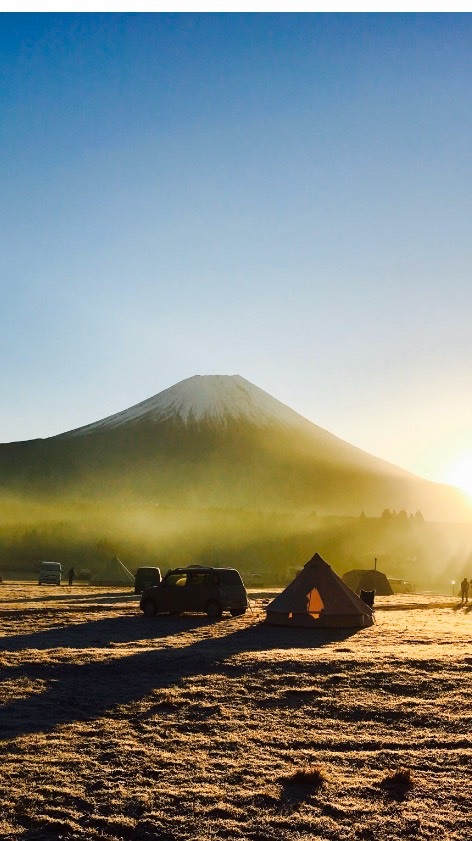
(197, 589)
(50, 572)
(146, 577)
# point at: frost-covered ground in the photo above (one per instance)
(114, 726)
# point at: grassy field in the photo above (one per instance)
(115, 726)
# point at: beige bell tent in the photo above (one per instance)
(113, 573)
(317, 598)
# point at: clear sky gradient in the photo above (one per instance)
(286, 197)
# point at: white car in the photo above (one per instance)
(50, 572)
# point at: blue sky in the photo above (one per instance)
(287, 197)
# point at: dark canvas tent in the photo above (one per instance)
(368, 579)
(113, 572)
(317, 598)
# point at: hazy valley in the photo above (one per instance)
(215, 469)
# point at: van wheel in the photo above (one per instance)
(213, 611)
(149, 608)
(240, 611)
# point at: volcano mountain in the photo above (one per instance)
(219, 441)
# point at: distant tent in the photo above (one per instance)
(113, 572)
(317, 598)
(399, 585)
(368, 579)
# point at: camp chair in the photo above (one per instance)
(368, 597)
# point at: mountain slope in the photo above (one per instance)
(218, 441)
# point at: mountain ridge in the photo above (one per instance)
(221, 398)
(219, 439)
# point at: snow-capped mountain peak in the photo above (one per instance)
(213, 398)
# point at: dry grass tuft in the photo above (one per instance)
(309, 777)
(169, 699)
(400, 780)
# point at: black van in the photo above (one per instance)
(197, 589)
(146, 577)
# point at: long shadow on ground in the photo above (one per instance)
(81, 692)
(114, 629)
(73, 595)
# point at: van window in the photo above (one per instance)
(198, 578)
(177, 579)
(230, 577)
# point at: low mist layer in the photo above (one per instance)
(271, 543)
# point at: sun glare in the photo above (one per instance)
(460, 473)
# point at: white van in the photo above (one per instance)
(50, 572)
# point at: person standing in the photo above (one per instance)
(464, 591)
(71, 576)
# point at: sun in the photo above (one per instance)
(459, 472)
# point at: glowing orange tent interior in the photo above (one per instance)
(318, 598)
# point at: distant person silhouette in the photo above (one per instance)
(464, 591)
(71, 576)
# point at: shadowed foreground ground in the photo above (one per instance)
(114, 726)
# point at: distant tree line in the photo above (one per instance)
(402, 515)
